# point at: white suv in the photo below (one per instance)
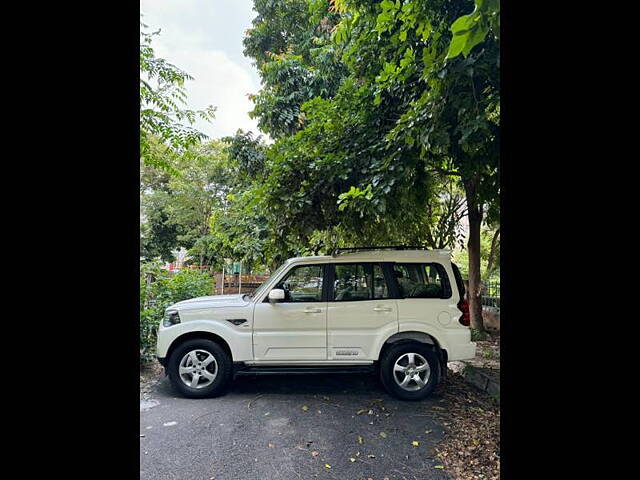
(401, 311)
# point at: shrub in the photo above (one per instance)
(478, 335)
(158, 290)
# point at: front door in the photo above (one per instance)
(361, 313)
(295, 329)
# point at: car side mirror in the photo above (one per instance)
(276, 295)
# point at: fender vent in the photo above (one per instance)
(237, 321)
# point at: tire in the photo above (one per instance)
(211, 363)
(402, 352)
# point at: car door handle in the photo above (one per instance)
(382, 309)
(312, 310)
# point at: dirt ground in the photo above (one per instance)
(487, 353)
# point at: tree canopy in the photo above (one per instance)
(413, 102)
(162, 99)
(385, 121)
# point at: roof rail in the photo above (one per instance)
(337, 251)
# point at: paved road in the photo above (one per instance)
(260, 431)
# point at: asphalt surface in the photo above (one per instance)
(259, 430)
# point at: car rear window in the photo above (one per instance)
(422, 280)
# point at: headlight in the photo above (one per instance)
(171, 317)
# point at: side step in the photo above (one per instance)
(303, 370)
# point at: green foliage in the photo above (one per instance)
(291, 44)
(470, 30)
(176, 210)
(339, 148)
(277, 26)
(489, 269)
(158, 290)
(201, 187)
(478, 335)
(241, 232)
(384, 134)
(248, 156)
(162, 97)
(401, 129)
(158, 236)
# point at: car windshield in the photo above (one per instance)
(263, 285)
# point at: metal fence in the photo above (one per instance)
(235, 283)
(491, 293)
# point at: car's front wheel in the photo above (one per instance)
(200, 368)
(409, 371)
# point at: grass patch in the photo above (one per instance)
(478, 335)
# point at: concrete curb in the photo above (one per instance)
(478, 378)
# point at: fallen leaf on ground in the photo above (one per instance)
(470, 449)
(352, 459)
(360, 440)
(383, 435)
(439, 466)
(305, 408)
(314, 454)
(271, 445)
(371, 456)
(415, 444)
(360, 412)
(327, 465)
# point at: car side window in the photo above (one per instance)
(419, 280)
(303, 284)
(380, 289)
(359, 281)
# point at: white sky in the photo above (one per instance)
(204, 38)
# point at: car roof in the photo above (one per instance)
(379, 256)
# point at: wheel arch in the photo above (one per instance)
(420, 337)
(197, 336)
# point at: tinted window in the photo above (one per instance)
(303, 284)
(419, 280)
(380, 289)
(359, 281)
(459, 281)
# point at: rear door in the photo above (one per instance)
(360, 310)
(425, 296)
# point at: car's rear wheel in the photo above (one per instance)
(200, 368)
(409, 371)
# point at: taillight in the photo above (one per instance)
(465, 318)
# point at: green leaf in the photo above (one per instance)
(456, 46)
(461, 24)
